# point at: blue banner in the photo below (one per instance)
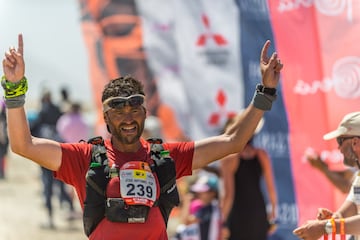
(255, 29)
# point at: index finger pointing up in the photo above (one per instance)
(264, 52)
(20, 44)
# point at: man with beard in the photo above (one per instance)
(132, 194)
(346, 219)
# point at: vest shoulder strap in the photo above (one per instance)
(98, 159)
(164, 167)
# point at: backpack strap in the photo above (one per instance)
(98, 158)
(96, 182)
(164, 167)
(157, 155)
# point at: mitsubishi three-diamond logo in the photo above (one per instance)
(212, 45)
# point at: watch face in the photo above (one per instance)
(269, 91)
(328, 227)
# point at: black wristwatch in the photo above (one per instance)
(268, 91)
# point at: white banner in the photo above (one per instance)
(162, 55)
(193, 49)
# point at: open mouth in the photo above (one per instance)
(129, 130)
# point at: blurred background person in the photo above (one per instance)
(71, 126)
(65, 101)
(200, 213)
(45, 126)
(243, 202)
(4, 141)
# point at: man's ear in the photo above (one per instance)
(105, 116)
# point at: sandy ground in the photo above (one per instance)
(21, 206)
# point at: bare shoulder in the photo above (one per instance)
(261, 152)
(263, 156)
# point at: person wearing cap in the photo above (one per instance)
(346, 219)
(201, 215)
(128, 154)
(243, 204)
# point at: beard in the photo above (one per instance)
(350, 158)
(126, 139)
(117, 133)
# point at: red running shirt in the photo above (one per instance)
(75, 163)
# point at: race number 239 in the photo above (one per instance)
(137, 186)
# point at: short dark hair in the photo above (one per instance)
(123, 87)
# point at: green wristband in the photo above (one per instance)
(14, 89)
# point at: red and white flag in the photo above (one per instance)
(201, 79)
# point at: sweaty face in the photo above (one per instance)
(126, 124)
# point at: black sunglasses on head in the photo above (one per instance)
(120, 102)
(340, 140)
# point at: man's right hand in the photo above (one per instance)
(13, 62)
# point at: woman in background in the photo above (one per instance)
(243, 203)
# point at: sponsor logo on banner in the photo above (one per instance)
(345, 80)
(329, 8)
(221, 101)
(212, 44)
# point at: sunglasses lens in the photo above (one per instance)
(136, 101)
(117, 103)
(340, 140)
(132, 101)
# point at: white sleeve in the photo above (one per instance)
(350, 196)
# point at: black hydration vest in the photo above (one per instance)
(97, 205)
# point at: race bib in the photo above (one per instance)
(137, 184)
